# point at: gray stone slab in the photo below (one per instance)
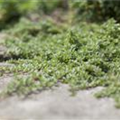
(58, 104)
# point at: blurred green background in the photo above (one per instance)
(91, 11)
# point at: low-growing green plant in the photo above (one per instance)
(81, 56)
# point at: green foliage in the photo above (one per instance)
(80, 57)
(12, 10)
(48, 7)
(48, 51)
(98, 10)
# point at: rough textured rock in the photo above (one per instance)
(58, 104)
(4, 81)
(2, 49)
(3, 36)
(4, 64)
